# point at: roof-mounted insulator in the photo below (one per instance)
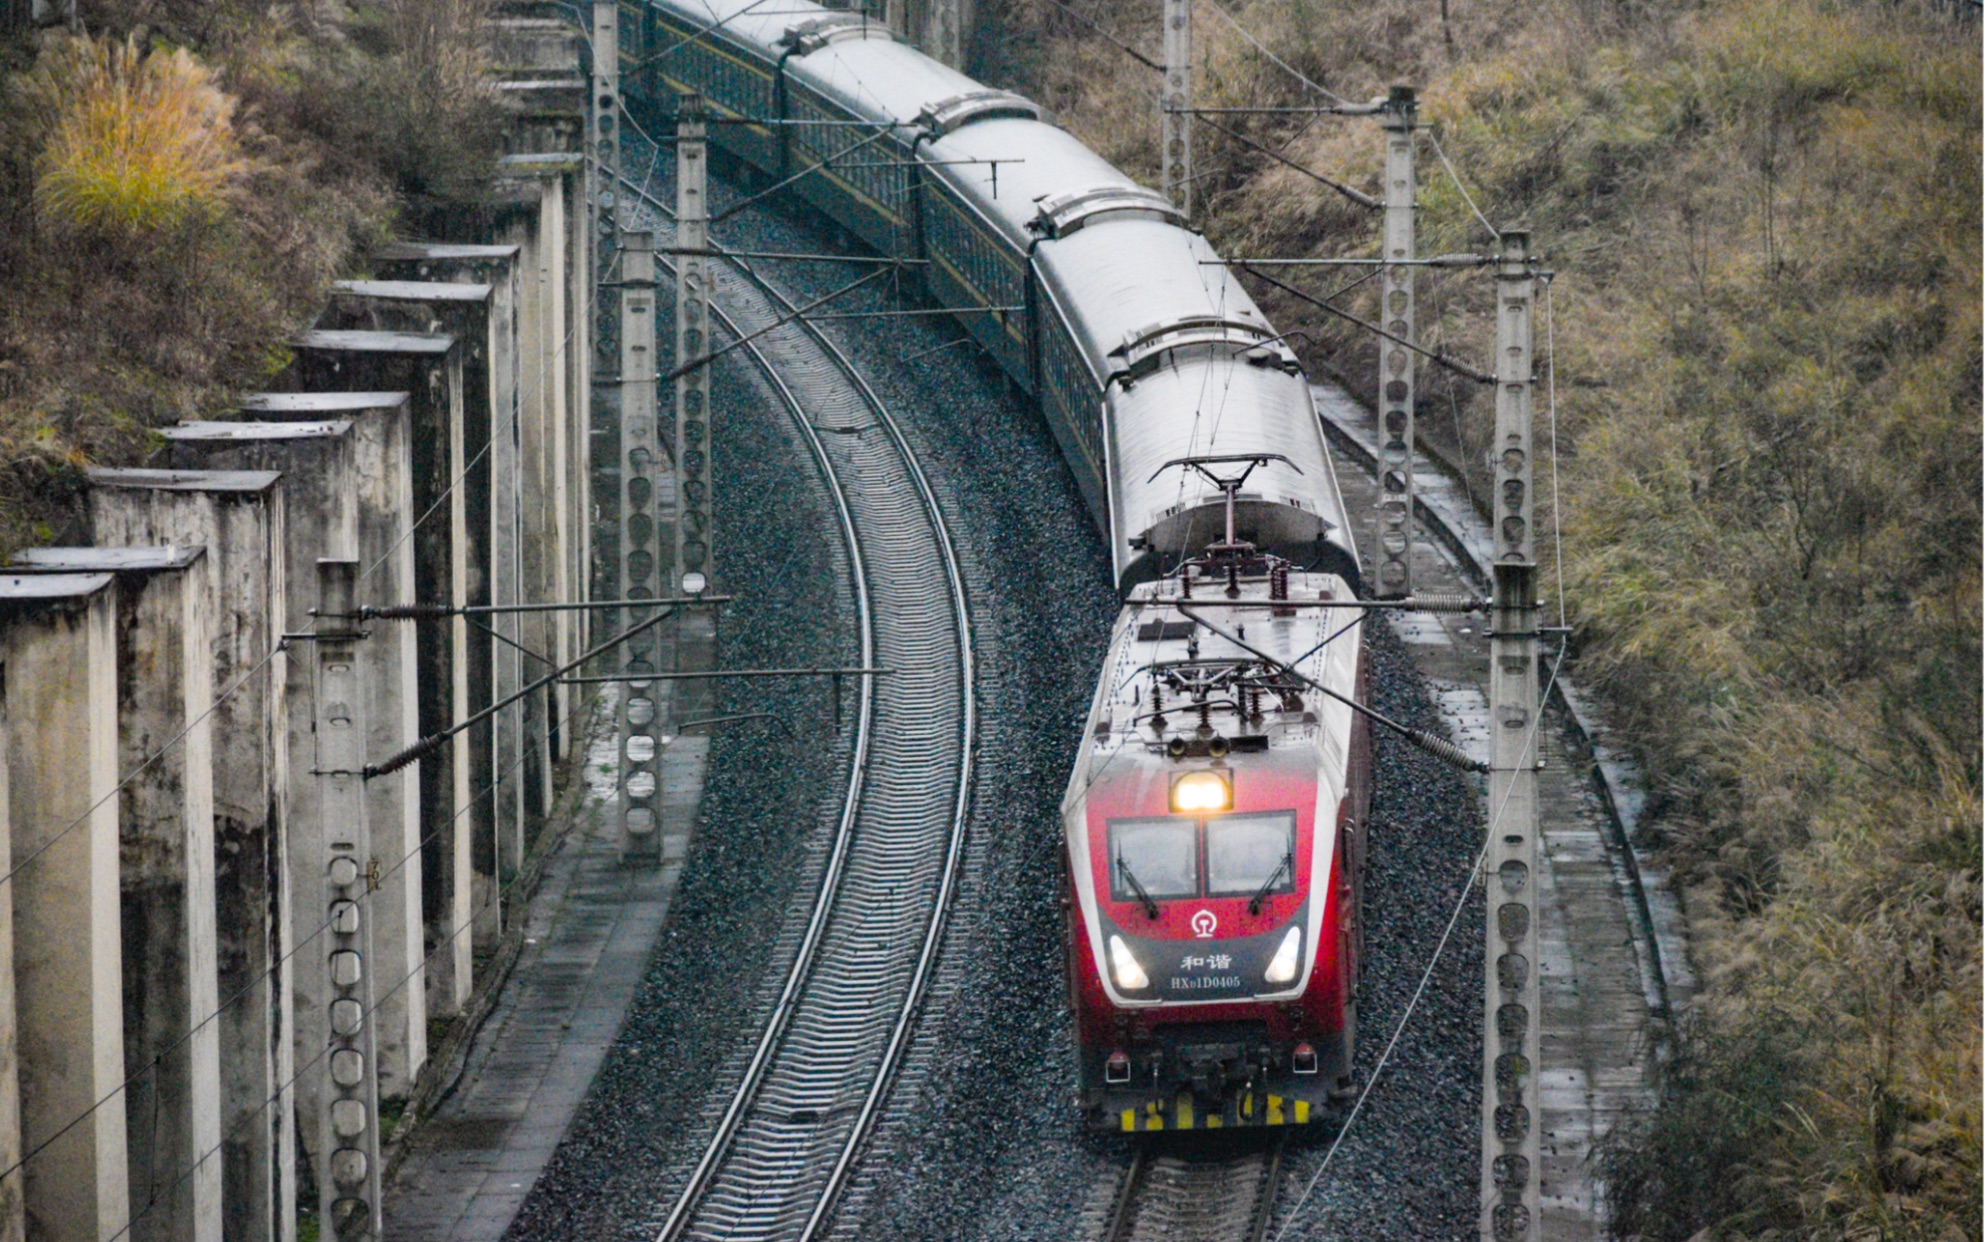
(948, 115)
(815, 33)
(1062, 214)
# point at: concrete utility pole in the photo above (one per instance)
(640, 536)
(1396, 361)
(603, 124)
(348, 1181)
(1175, 106)
(946, 37)
(692, 341)
(695, 561)
(1510, 1039)
(603, 200)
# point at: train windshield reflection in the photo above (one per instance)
(1159, 854)
(1244, 852)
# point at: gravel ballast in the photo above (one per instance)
(980, 1139)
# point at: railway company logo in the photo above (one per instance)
(1204, 924)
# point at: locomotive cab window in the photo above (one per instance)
(1251, 853)
(1160, 856)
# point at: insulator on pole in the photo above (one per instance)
(406, 612)
(426, 746)
(1445, 751)
(1448, 603)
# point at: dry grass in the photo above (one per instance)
(178, 190)
(1766, 216)
(136, 143)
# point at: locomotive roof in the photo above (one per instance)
(1140, 651)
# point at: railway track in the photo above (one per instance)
(795, 1123)
(1198, 1191)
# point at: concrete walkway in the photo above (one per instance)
(587, 939)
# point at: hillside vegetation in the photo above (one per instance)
(1764, 216)
(180, 181)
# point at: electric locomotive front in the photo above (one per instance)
(1214, 831)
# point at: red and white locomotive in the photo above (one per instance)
(1214, 827)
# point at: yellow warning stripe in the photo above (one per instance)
(1279, 1111)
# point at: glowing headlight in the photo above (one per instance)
(1282, 967)
(1202, 791)
(1130, 976)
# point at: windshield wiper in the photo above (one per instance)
(1261, 894)
(1130, 878)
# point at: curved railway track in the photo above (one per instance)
(1198, 1191)
(817, 1079)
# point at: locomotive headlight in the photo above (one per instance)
(1282, 967)
(1130, 976)
(1201, 792)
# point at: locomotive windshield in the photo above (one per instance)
(1246, 855)
(1159, 855)
(1251, 854)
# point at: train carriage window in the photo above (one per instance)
(1245, 852)
(1155, 854)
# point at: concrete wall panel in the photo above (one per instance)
(239, 517)
(58, 639)
(166, 883)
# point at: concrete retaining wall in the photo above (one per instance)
(60, 654)
(239, 519)
(165, 879)
(160, 1033)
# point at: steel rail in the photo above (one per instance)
(1122, 1209)
(1179, 1193)
(955, 848)
(816, 927)
(812, 969)
(1264, 1204)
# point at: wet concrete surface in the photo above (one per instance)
(589, 932)
(1599, 1019)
